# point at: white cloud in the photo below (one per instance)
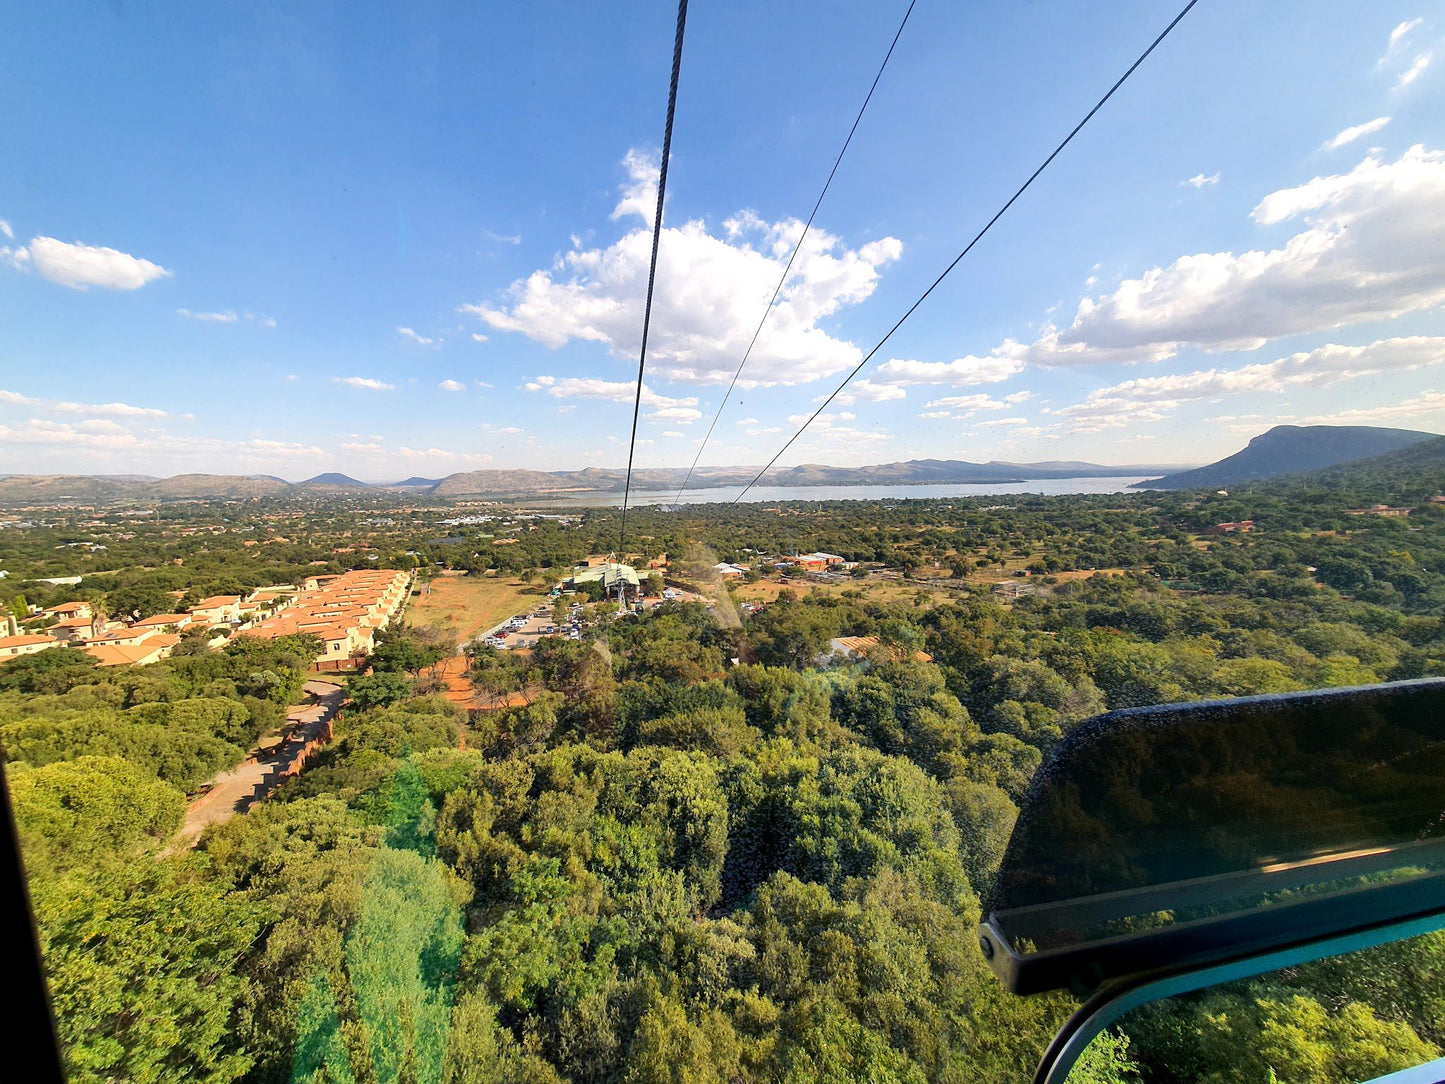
(227, 317)
(452, 385)
(479, 337)
(1373, 248)
(118, 410)
(639, 192)
(408, 333)
(82, 266)
(504, 238)
(672, 433)
(961, 407)
(1007, 360)
(1414, 71)
(662, 407)
(363, 382)
(6, 230)
(682, 414)
(483, 384)
(1006, 421)
(1018, 397)
(1398, 36)
(1429, 404)
(746, 421)
(43, 431)
(291, 378)
(441, 455)
(866, 391)
(1153, 398)
(711, 289)
(833, 433)
(1349, 135)
(508, 430)
(1199, 180)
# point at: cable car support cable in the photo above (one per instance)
(778, 289)
(969, 247)
(652, 270)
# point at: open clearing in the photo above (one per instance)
(463, 606)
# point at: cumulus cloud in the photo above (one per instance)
(672, 433)
(452, 385)
(364, 382)
(1398, 36)
(1429, 404)
(1006, 360)
(661, 407)
(227, 317)
(1155, 397)
(70, 434)
(962, 407)
(1349, 135)
(1199, 180)
(117, 410)
(82, 266)
(6, 229)
(711, 289)
(833, 431)
(1414, 71)
(408, 333)
(443, 455)
(868, 391)
(1373, 247)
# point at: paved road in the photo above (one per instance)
(233, 792)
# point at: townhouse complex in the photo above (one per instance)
(343, 611)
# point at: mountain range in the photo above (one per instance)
(1283, 450)
(35, 488)
(1292, 449)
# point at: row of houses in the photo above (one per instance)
(344, 611)
(803, 562)
(111, 642)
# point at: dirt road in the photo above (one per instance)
(233, 791)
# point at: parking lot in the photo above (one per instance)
(526, 629)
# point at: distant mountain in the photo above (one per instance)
(40, 489)
(499, 483)
(1409, 475)
(93, 489)
(414, 482)
(1291, 449)
(334, 479)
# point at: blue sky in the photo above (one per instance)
(297, 238)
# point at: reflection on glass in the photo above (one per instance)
(1157, 817)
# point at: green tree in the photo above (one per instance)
(380, 690)
(141, 960)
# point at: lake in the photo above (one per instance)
(1048, 487)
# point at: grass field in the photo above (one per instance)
(466, 605)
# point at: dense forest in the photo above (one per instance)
(702, 850)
